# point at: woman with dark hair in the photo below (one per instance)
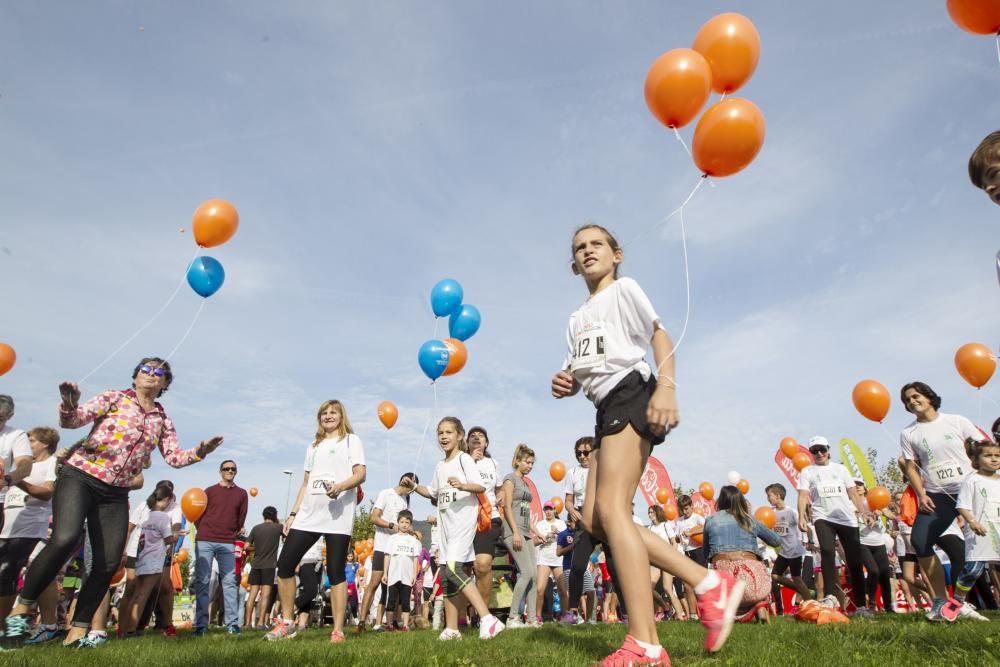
(935, 464)
(93, 485)
(485, 543)
(730, 543)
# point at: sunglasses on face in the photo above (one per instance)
(583, 452)
(820, 450)
(229, 470)
(152, 370)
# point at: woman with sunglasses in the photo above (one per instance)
(836, 506)
(93, 485)
(575, 491)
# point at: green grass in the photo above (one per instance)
(885, 642)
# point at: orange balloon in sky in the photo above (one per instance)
(457, 355)
(557, 471)
(662, 495)
(193, 503)
(766, 516)
(871, 399)
(388, 414)
(980, 17)
(728, 137)
(878, 498)
(706, 490)
(743, 486)
(677, 86)
(976, 363)
(789, 447)
(253, 491)
(670, 511)
(7, 358)
(214, 223)
(801, 461)
(731, 45)
(696, 535)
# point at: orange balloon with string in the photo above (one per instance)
(7, 358)
(871, 399)
(457, 355)
(662, 495)
(677, 86)
(731, 45)
(193, 503)
(670, 511)
(766, 516)
(980, 17)
(214, 223)
(706, 490)
(728, 137)
(878, 498)
(976, 363)
(253, 491)
(388, 414)
(744, 486)
(557, 471)
(801, 461)
(789, 447)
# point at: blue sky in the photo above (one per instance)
(375, 148)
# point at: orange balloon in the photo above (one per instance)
(980, 17)
(976, 363)
(706, 490)
(557, 471)
(253, 491)
(731, 45)
(789, 447)
(743, 486)
(662, 495)
(871, 399)
(677, 86)
(766, 516)
(193, 503)
(387, 414)
(728, 137)
(878, 498)
(670, 511)
(557, 504)
(801, 461)
(696, 535)
(7, 358)
(214, 223)
(457, 355)
(182, 555)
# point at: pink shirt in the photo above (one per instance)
(123, 437)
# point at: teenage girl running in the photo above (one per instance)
(608, 337)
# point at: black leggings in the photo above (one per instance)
(309, 576)
(78, 497)
(299, 542)
(876, 561)
(14, 554)
(828, 533)
(578, 565)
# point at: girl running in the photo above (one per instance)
(608, 337)
(454, 489)
(154, 538)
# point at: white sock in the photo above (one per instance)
(652, 650)
(710, 581)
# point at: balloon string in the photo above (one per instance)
(998, 45)
(144, 326)
(423, 438)
(677, 210)
(916, 463)
(687, 302)
(723, 96)
(186, 333)
(687, 150)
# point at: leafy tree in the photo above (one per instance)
(363, 527)
(888, 475)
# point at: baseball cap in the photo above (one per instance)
(548, 506)
(818, 441)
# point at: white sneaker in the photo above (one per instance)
(450, 635)
(490, 627)
(969, 612)
(516, 624)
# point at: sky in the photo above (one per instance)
(375, 148)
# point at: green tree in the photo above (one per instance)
(888, 474)
(363, 527)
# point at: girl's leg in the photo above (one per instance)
(885, 578)
(872, 578)
(336, 559)
(827, 537)
(927, 530)
(378, 562)
(296, 545)
(557, 574)
(251, 605)
(542, 580)
(579, 562)
(526, 576)
(130, 617)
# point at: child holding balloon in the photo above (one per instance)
(608, 337)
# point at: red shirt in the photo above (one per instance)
(224, 515)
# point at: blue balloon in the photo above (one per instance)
(205, 276)
(464, 322)
(446, 297)
(433, 358)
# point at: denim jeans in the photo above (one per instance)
(225, 555)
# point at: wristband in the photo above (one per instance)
(291, 514)
(392, 526)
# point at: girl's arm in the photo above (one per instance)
(803, 505)
(358, 475)
(422, 490)
(661, 412)
(976, 527)
(298, 503)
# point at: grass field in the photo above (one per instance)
(885, 642)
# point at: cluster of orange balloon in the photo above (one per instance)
(980, 17)
(193, 504)
(793, 450)
(722, 58)
(975, 362)
(7, 358)
(363, 549)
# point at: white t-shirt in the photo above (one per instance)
(402, 549)
(608, 337)
(490, 478)
(686, 524)
(981, 496)
(872, 537)
(391, 504)
(457, 510)
(786, 527)
(25, 516)
(13, 444)
(827, 486)
(315, 553)
(938, 447)
(152, 550)
(546, 553)
(436, 542)
(139, 515)
(332, 461)
(665, 531)
(576, 485)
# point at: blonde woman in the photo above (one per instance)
(518, 536)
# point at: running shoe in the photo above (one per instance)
(862, 613)
(969, 612)
(45, 633)
(489, 627)
(631, 654)
(337, 637)
(91, 640)
(448, 635)
(360, 627)
(934, 614)
(517, 624)
(568, 618)
(717, 609)
(16, 631)
(280, 631)
(199, 632)
(170, 631)
(235, 630)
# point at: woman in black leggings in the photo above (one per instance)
(876, 558)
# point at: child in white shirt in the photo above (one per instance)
(401, 568)
(155, 537)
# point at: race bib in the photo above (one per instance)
(992, 511)
(947, 472)
(588, 347)
(446, 498)
(317, 487)
(782, 531)
(831, 489)
(404, 550)
(15, 498)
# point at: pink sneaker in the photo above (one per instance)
(337, 637)
(717, 609)
(951, 609)
(488, 629)
(631, 654)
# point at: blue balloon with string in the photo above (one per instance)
(205, 276)
(464, 322)
(446, 297)
(433, 358)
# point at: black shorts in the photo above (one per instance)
(626, 404)
(130, 563)
(697, 555)
(378, 561)
(792, 565)
(262, 576)
(486, 543)
(908, 558)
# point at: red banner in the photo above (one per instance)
(655, 477)
(701, 506)
(536, 502)
(788, 467)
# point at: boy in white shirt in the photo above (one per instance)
(792, 551)
(401, 567)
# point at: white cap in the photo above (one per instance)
(818, 440)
